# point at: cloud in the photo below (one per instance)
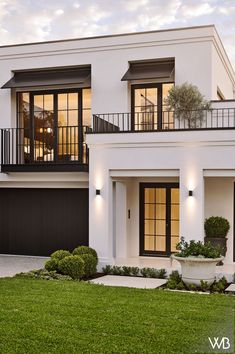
(196, 9)
(33, 20)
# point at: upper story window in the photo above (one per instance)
(148, 110)
(156, 77)
(52, 124)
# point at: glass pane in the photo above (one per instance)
(149, 243)
(23, 100)
(38, 103)
(73, 100)
(175, 211)
(23, 119)
(73, 118)
(161, 227)
(48, 102)
(165, 90)
(62, 101)
(86, 116)
(149, 195)
(174, 228)
(149, 227)
(160, 211)
(86, 97)
(139, 93)
(161, 244)
(175, 197)
(174, 241)
(48, 119)
(149, 211)
(146, 108)
(167, 120)
(151, 97)
(62, 118)
(160, 195)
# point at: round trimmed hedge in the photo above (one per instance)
(85, 250)
(74, 266)
(52, 265)
(90, 264)
(60, 254)
(216, 226)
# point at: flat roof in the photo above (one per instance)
(108, 36)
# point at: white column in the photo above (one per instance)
(192, 208)
(121, 220)
(100, 210)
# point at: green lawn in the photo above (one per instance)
(39, 316)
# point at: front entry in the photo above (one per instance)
(159, 218)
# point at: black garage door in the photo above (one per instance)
(40, 221)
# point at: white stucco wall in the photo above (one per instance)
(219, 201)
(220, 77)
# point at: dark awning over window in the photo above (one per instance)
(70, 76)
(159, 69)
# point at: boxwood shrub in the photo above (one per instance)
(60, 254)
(52, 265)
(73, 266)
(216, 226)
(90, 263)
(85, 250)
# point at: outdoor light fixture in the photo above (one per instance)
(97, 192)
(190, 193)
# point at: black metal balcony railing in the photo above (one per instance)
(222, 118)
(64, 145)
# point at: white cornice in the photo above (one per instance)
(110, 47)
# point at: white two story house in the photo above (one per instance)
(91, 155)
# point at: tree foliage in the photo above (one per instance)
(188, 104)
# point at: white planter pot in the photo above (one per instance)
(196, 269)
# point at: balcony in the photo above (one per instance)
(44, 149)
(155, 121)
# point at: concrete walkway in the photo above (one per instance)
(129, 282)
(11, 265)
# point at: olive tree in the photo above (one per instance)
(188, 104)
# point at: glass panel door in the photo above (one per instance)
(145, 107)
(68, 120)
(159, 218)
(155, 219)
(175, 218)
(52, 126)
(43, 127)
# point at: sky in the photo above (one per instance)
(24, 21)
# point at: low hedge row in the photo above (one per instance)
(135, 271)
(175, 283)
(79, 264)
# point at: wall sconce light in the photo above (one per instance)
(97, 192)
(190, 193)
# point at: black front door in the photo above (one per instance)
(159, 218)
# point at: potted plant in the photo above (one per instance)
(216, 229)
(197, 261)
(188, 104)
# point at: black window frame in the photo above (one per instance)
(55, 93)
(157, 85)
(168, 186)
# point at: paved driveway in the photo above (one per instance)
(11, 265)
